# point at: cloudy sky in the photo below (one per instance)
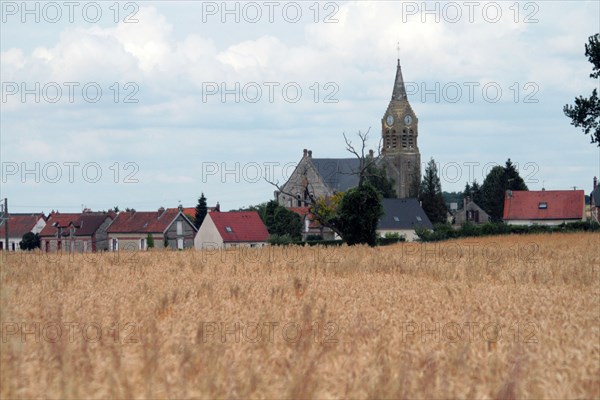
(148, 104)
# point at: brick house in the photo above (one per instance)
(231, 229)
(18, 225)
(545, 207)
(76, 232)
(130, 230)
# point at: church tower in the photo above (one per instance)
(399, 131)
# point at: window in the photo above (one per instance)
(228, 229)
(419, 218)
(396, 219)
(179, 227)
(543, 205)
(142, 244)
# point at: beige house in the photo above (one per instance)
(231, 229)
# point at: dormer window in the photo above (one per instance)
(543, 205)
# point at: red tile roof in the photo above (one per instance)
(190, 212)
(245, 226)
(63, 220)
(143, 221)
(561, 204)
(20, 224)
(86, 223)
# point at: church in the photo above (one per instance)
(315, 177)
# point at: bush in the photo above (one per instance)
(280, 239)
(445, 232)
(312, 238)
(385, 241)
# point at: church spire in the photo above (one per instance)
(399, 92)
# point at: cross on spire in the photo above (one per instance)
(398, 48)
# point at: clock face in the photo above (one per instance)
(390, 120)
(408, 120)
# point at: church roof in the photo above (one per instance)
(399, 92)
(403, 214)
(340, 174)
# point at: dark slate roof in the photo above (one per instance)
(340, 174)
(403, 214)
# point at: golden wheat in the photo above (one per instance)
(499, 317)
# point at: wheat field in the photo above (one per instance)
(496, 318)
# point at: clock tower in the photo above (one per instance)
(399, 131)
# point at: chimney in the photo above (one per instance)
(466, 200)
(310, 154)
(161, 211)
(595, 183)
(304, 152)
(218, 207)
(371, 153)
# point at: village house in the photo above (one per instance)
(595, 201)
(310, 226)
(169, 228)
(231, 229)
(76, 232)
(471, 213)
(402, 217)
(19, 225)
(545, 207)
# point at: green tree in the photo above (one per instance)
(496, 183)
(430, 195)
(30, 241)
(586, 112)
(414, 182)
(474, 192)
(377, 177)
(150, 241)
(281, 222)
(358, 215)
(201, 211)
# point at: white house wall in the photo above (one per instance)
(208, 236)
